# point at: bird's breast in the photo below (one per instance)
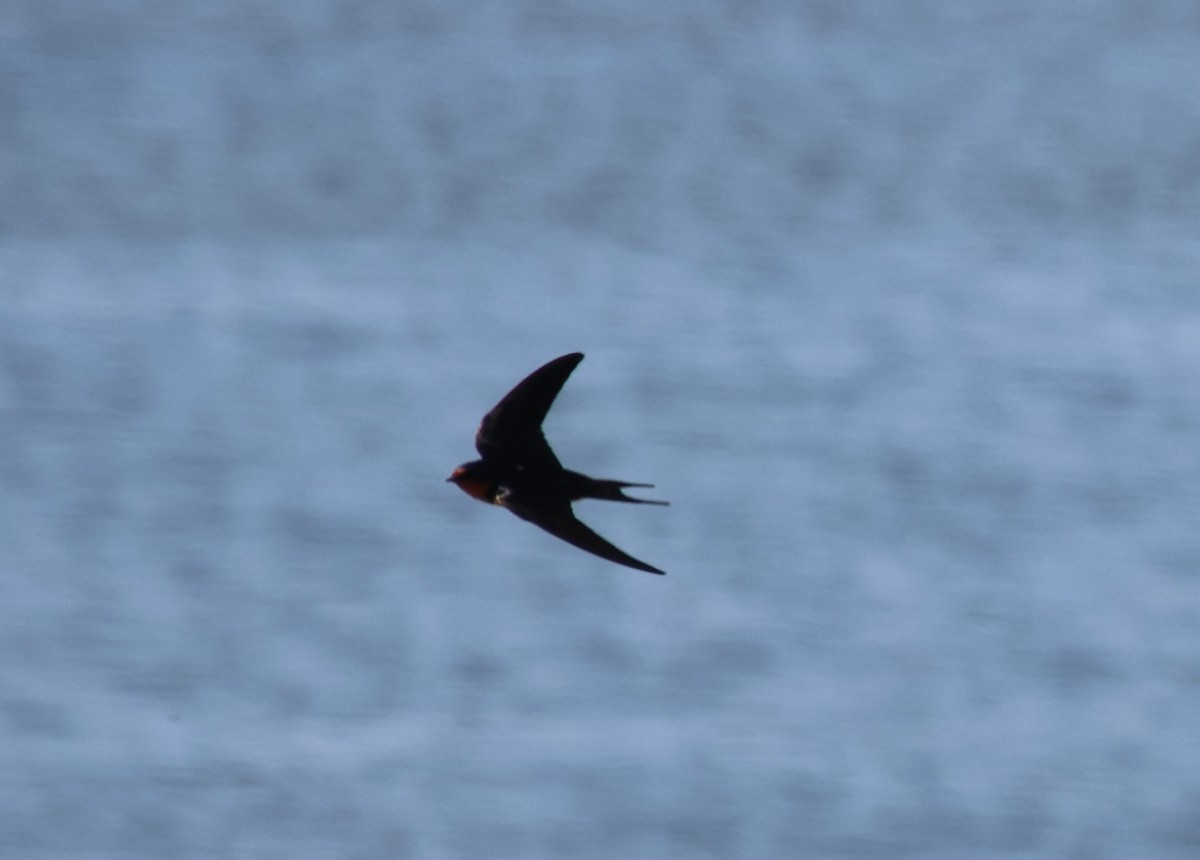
(485, 491)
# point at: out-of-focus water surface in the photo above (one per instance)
(900, 307)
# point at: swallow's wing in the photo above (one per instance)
(558, 519)
(513, 429)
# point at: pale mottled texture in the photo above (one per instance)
(899, 309)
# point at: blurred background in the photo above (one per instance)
(898, 304)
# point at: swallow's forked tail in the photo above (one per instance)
(611, 491)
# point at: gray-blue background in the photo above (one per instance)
(898, 303)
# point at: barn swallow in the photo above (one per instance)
(520, 472)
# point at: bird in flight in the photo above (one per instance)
(520, 472)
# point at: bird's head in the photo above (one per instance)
(471, 479)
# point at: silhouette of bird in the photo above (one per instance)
(518, 470)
